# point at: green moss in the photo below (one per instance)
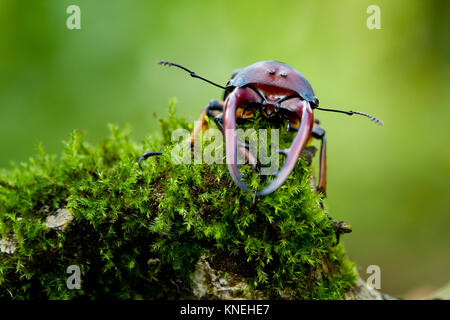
(139, 233)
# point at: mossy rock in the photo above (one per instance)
(168, 231)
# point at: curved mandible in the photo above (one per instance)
(236, 98)
(305, 114)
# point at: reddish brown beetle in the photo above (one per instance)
(279, 92)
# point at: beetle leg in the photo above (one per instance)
(319, 133)
(340, 227)
(214, 108)
(219, 121)
(147, 155)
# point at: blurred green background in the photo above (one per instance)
(390, 183)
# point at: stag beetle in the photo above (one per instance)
(276, 90)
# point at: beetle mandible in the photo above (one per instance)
(277, 90)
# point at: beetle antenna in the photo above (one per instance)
(377, 121)
(192, 73)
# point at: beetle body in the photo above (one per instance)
(278, 91)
